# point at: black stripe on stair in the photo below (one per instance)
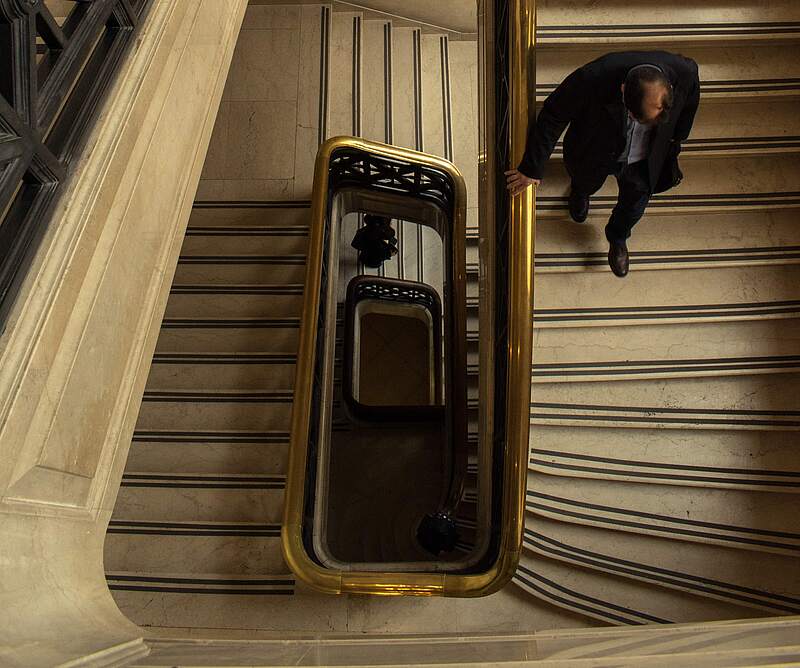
(716, 311)
(224, 358)
(751, 310)
(247, 231)
(775, 255)
(188, 481)
(707, 417)
(292, 260)
(230, 323)
(720, 256)
(675, 527)
(324, 72)
(631, 31)
(249, 397)
(607, 202)
(564, 463)
(688, 26)
(207, 289)
(701, 586)
(564, 597)
(201, 585)
(252, 204)
(635, 368)
(176, 437)
(193, 529)
(719, 86)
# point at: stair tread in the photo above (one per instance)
(654, 12)
(762, 581)
(746, 520)
(745, 395)
(617, 600)
(640, 291)
(194, 547)
(738, 454)
(744, 69)
(713, 350)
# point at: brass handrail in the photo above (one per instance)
(522, 219)
(520, 336)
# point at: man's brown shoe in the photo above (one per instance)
(578, 206)
(618, 259)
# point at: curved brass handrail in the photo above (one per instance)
(517, 390)
(522, 220)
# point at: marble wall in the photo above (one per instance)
(76, 350)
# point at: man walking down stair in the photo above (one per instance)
(627, 114)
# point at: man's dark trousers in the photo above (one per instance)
(634, 194)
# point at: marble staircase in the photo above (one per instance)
(662, 473)
(663, 469)
(195, 538)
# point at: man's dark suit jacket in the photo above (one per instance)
(590, 101)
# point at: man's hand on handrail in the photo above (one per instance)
(517, 182)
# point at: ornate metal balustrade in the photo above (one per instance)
(53, 76)
(390, 290)
(354, 168)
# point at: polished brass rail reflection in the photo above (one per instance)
(517, 391)
(522, 74)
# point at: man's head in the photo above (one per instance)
(647, 94)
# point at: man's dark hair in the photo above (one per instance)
(636, 83)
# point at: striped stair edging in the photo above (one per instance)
(230, 323)
(252, 204)
(646, 315)
(247, 231)
(672, 368)
(661, 417)
(219, 396)
(732, 593)
(553, 462)
(183, 436)
(668, 259)
(583, 604)
(202, 481)
(549, 205)
(630, 315)
(137, 527)
(565, 35)
(224, 358)
(289, 260)
(179, 584)
(211, 289)
(678, 528)
(566, 372)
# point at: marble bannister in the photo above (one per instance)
(77, 347)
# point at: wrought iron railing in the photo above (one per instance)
(390, 290)
(507, 34)
(344, 165)
(53, 77)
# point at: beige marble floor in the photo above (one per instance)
(267, 123)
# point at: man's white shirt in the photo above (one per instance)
(638, 142)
